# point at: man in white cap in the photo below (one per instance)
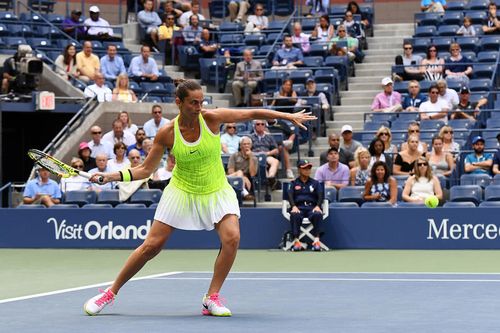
(347, 142)
(388, 100)
(97, 27)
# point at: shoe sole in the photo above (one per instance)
(87, 312)
(205, 312)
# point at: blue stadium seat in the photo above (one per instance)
(339, 63)
(14, 41)
(351, 194)
(452, 17)
(403, 204)
(34, 206)
(490, 204)
(480, 85)
(448, 30)
(40, 42)
(188, 57)
(272, 80)
(493, 123)
(48, 32)
(213, 72)
(274, 37)
(300, 75)
(487, 56)
(8, 16)
(265, 50)
(443, 43)
(257, 40)
(327, 89)
(374, 125)
(230, 26)
(318, 50)
(325, 75)
(4, 31)
(97, 206)
(460, 204)
(467, 43)
(431, 124)
(237, 185)
(313, 61)
(153, 88)
(277, 25)
(299, 88)
(64, 206)
(308, 24)
(455, 6)
(461, 124)
(54, 18)
(490, 43)
(108, 197)
(130, 205)
(153, 99)
(331, 194)
(425, 31)
(483, 71)
(146, 197)
(477, 5)
(401, 86)
(472, 193)
(80, 197)
(62, 43)
(492, 193)
(475, 179)
(218, 9)
(343, 205)
(22, 30)
(421, 44)
(427, 19)
(408, 117)
(375, 204)
(119, 45)
(477, 17)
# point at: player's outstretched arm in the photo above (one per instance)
(223, 115)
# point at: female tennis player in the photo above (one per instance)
(198, 196)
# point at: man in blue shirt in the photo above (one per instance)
(305, 196)
(414, 98)
(433, 6)
(42, 190)
(143, 67)
(111, 64)
(288, 57)
(478, 162)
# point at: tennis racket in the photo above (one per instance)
(57, 167)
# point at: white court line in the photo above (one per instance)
(332, 279)
(61, 291)
(360, 273)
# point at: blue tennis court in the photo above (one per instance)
(274, 302)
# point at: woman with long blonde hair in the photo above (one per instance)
(449, 145)
(122, 93)
(360, 173)
(384, 134)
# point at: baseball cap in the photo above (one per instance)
(476, 139)
(83, 145)
(464, 90)
(94, 9)
(310, 80)
(386, 81)
(346, 128)
(76, 12)
(303, 164)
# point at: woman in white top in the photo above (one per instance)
(414, 129)
(324, 31)
(66, 63)
(258, 22)
(75, 183)
(432, 65)
(120, 162)
(422, 184)
(127, 122)
(449, 145)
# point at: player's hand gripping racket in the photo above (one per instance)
(57, 167)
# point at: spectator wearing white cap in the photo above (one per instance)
(97, 27)
(348, 143)
(388, 100)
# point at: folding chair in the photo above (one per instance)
(306, 227)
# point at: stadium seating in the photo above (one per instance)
(80, 198)
(351, 194)
(472, 193)
(108, 197)
(146, 197)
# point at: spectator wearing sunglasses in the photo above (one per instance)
(99, 146)
(77, 182)
(435, 107)
(230, 141)
(465, 109)
(422, 184)
(449, 145)
(414, 129)
(458, 68)
(411, 70)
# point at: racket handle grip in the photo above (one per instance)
(87, 175)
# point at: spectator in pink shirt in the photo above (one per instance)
(388, 100)
(300, 38)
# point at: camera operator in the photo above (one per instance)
(21, 71)
(9, 73)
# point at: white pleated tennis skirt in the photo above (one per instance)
(188, 211)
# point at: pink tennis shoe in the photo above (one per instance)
(95, 305)
(212, 306)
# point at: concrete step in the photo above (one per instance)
(380, 72)
(364, 79)
(389, 58)
(365, 86)
(394, 44)
(384, 39)
(350, 108)
(373, 65)
(357, 94)
(336, 127)
(393, 50)
(356, 100)
(395, 33)
(346, 117)
(391, 27)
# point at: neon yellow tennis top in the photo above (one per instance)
(198, 165)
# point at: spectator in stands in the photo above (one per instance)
(287, 130)
(168, 33)
(422, 183)
(447, 94)
(286, 98)
(360, 173)
(238, 9)
(377, 153)
(66, 63)
(465, 109)
(97, 27)
(149, 21)
(247, 76)
(186, 16)
(257, 22)
(208, 47)
(434, 108)
(168, 9)
(496, 159)
(410, 61)
(72, 26)
(385, 135)
(449, 144)
(351, 50)
(99, 89)
(192, 32)
(387, 100)
(412, 101)
(414, 129)
(310, 92)
(87, 63)
(10, 73)
(478, 162)
(354, 28)
(140, 136)
(120, 161)
(143, 67)
(467, 29)
(347, 141)
(230, 141)
(117, 134)
(300, 38)
(333, 173)
(121, 92)
(84, 153)
(405, 159)
(318, 7)
(432, 65)
(457, 67)
(42, 190)
(243, 163)
(433, 6)
(288, 57)
(264, 143)
(112, 64)
(128, 126)
(442, 163)
(97, 145)
(381, 186)
(162, 174)
(345, 157)
(147, 145)
(324, 31)
(354, 8)
(76, 182)
(153, 125)
(492, 26)
(305, 196)
(101, 161)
